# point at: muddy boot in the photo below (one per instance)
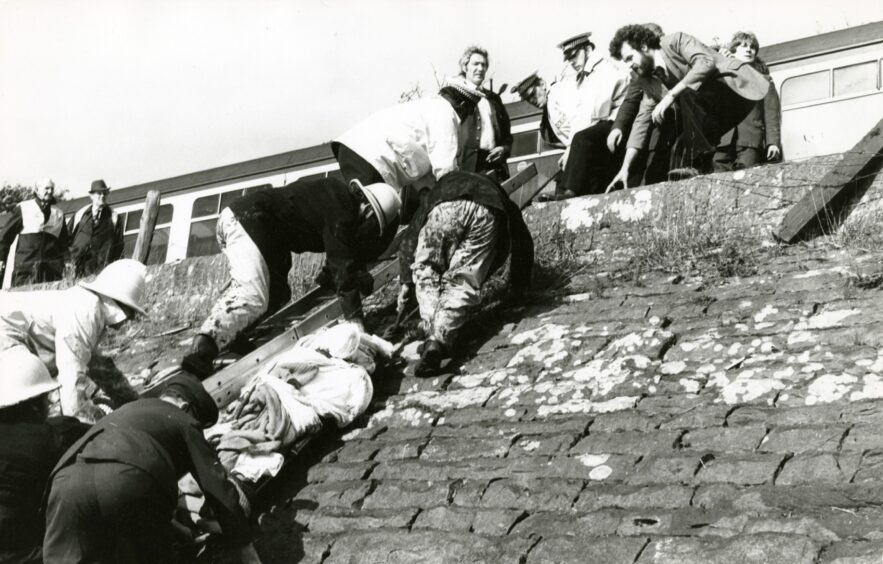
(200, 361)
(430, 359)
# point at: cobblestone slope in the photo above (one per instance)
(666, 419)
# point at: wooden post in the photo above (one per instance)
(145, 229)
(818, 209)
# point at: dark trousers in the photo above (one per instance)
(703, 118)
(735, 158)
(107, 512)
(353, 166)
(591, 166)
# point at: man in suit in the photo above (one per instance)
(97, 233)
(713, 94)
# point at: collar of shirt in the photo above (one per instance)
(661, 62)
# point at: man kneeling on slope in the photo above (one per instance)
(462, 232)
(351, 223)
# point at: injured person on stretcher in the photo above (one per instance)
(325, 376)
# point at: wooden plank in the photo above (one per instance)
(821, 203)
(145, 229)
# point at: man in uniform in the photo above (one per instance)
(351, 223)
(113, 492)
(43, 238)
(97, 233)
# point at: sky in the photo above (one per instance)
(138, 90)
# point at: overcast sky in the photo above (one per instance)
(133, 91)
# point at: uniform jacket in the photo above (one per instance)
(28, 452)
(95, 243)
(314, 216)
(461, 185)
(167, 443)
(410, 143)
(62, 327)
(575, 105)
(691, 63)
(43, 240)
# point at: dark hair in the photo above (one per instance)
(636, 36)
(655, 28)
(743, 37)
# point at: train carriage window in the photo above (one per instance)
(163, 215)
(227, 198)
(524, 143)
(806, 88)
(159, 245)
(202, 240)
(207, 205)
(855, 79)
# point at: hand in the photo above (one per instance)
(658, 114)
(613, 139)
(562, 161)
(496, 154)
(406, 295)
(248, 554)
(773, 152)
(621, 176)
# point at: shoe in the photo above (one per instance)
(430, 359)
(200, 360)
(684, 173)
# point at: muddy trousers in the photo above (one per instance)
(248, 296)
(454, 255)
(107, 512)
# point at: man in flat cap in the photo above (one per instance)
(43, 238)
(581, 113)
(97, 233)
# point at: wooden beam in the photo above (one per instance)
(820, 207)
(145, 229)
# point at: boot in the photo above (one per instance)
(200, 360)
(430, 359)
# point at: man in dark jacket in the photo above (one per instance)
(113, 492)
(30, 446)
(351, 223)
(97, 233)
(464, 229)
(43, 238)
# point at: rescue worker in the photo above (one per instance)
(113, 492)
(30, 446)
(351, 223)
(97, 233)
(464, 229)
(63, 327)
(43, 238)
(413, 143)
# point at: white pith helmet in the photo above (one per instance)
(24, 377)
(384, 200)
(123, 281)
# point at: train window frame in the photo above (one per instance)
(165, 226)
(871, 64)
(827, 72)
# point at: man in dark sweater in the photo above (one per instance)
(463, 230)
(30, 446)
(113, 492)
(97, 233)
(351, 223)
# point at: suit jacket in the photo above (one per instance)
(691, 63)
(96, 243)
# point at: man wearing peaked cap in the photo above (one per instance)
(63, 327)
(113, 492)
(351, 223)
(97, 233)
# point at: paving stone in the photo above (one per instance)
(863, 412)
(815, 468)
(853, 552)
(762, 548)
(708, 496)
(429, 547)
(863, 437)
(450, 448)
(339, 471)
(731, 439)
(703, 416)
(803, 526)
(629, 420)
(399, 450)
(467, 492)
(491, 359)
(631, 497)
(487, 429)
(678, 468)
(335, 494)
(495, 522)
(548, 524)
(481, 416)
(627, 442)
(407, 433)
(539, 445)
(744, 469)
(357, 451)
(394, 494)
(339, 520)
(785, 417)
(673, 405)
(555, 550)
(871, 467)
(532, 494)
(804, 439)
(445, 518)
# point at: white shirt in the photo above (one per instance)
(62, 327)
(410, 143)
(574, 106)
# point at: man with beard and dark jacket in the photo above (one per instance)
(463, 230)
(97, 233)
(351, 223)
(43, 238)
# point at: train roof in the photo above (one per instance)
(823, 43)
